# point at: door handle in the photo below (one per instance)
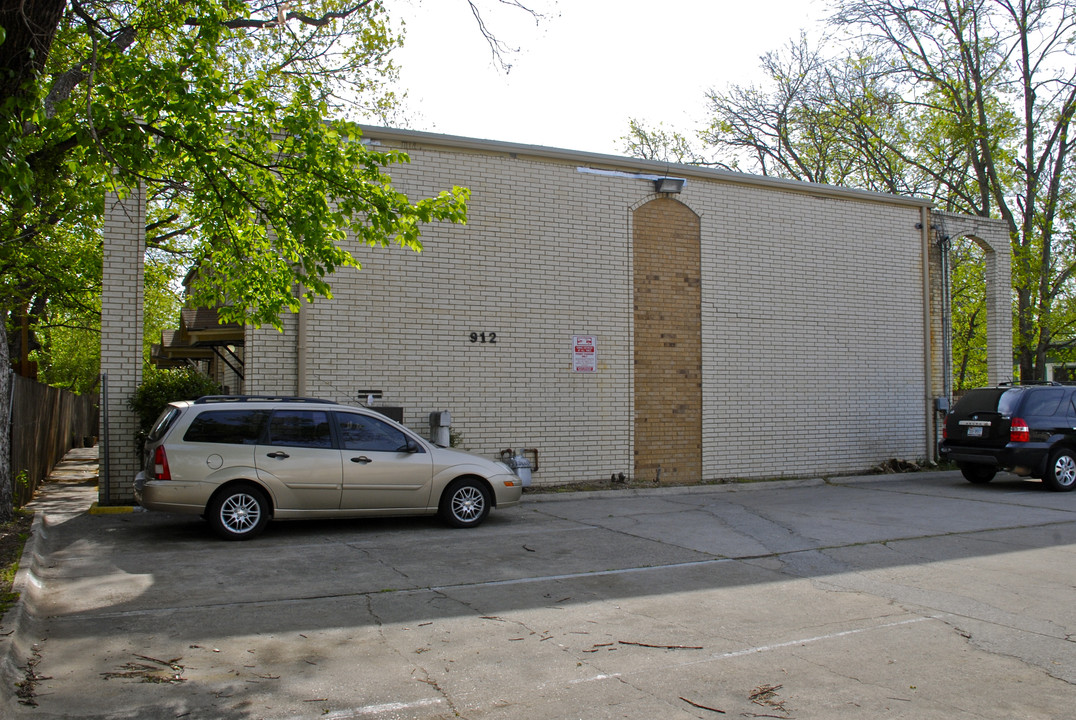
(361, 459)
(278, 455)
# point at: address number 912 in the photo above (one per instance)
(484, 337)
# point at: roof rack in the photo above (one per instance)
(1030, 383)
(206, 399)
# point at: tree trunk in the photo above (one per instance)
(1026, 328)
(7, 510)
(966, 343)
(30, 27)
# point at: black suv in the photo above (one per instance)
(1029, 430)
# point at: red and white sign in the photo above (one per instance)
(584, 353)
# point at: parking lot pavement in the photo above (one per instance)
(900, 596)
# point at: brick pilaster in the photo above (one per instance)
(124, 237)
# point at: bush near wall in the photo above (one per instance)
(161, 387)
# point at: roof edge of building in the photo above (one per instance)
(616, 162)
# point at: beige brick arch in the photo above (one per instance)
(993, 237)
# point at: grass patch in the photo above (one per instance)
(13, 537)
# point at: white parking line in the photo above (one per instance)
(806, 640)
(595, 678)
(368, 710)
(767, 648)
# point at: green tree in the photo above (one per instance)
(235, 116)
(983, 60)
(967, 102)
(661, 144)
(967, 292)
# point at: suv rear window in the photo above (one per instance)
(1002, 401)
(232, 427)
(1011, 401)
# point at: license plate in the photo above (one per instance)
(975, 431)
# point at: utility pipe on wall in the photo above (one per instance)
(301, 348)
(928, 400)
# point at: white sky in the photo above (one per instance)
(593, 64)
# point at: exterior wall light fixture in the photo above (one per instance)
(669, 184)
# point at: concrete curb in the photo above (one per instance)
(561, 496)
(565, 495)
(17, 647)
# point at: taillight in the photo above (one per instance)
(1019, 431)
(160, 464)
(945, 430)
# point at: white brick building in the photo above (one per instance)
(744, 327)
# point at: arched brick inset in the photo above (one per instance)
(668, 341)
(993, 237)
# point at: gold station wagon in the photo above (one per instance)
(240, 460)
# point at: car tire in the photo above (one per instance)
(238, 512)
(1061, 471)
(978, 474)
(465, 503)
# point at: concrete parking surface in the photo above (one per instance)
(900, 596)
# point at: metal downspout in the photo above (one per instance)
(301, 348)
(924, 224)
(104, 461)
(945, 244)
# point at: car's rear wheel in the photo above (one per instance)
(465, 503)
(978, 474)
(1061, 471)
(239, 512)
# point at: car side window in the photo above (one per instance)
(300, 428)
(1044, 401)
(232, 427)
(165, 421)
(361, 432)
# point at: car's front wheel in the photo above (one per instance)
(465, 503)
(239, 512)
(977, 474)
(1061, 471)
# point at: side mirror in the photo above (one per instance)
(410, 446)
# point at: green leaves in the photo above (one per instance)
(968, 104)
(231, 115)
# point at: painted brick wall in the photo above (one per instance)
(404, 323)
(811, 313)
(270, 359)
(123, 235)
(813, 333)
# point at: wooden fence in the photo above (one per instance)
(46, 422)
